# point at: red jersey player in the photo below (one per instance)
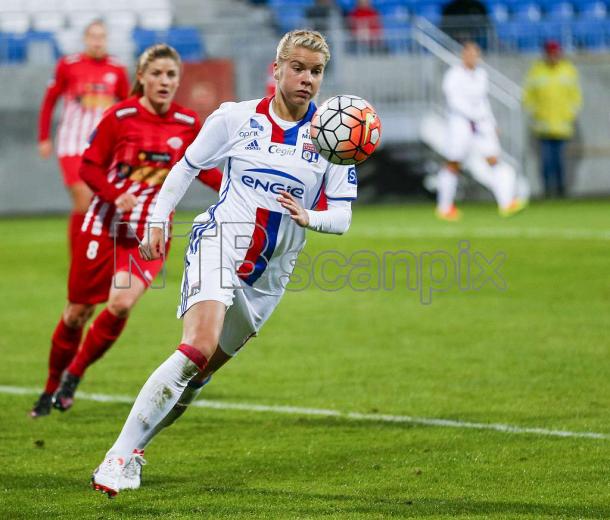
(89, 83)
(128, 157)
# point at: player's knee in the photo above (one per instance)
(453, 166)
(77, 314)
(205, 343)
(121, 306)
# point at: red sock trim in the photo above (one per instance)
(194, 355)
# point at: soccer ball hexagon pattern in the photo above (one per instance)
(345, 129)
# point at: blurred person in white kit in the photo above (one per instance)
(472, 139)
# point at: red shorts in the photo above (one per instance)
(70, 165)
(95, 262)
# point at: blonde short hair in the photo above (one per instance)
(160, 50)
(311, 40)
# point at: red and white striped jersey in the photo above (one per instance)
(135, 150)
(88, 87)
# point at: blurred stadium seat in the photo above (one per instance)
(156, 19)
(186, 40)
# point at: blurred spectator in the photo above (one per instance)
(553, 98)
(89, 83)
(365, 24)
(318, 15)
(466, 20)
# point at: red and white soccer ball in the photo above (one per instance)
(345, 129)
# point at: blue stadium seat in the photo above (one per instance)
(522, 35)
(289, 19)
(346, 5)
(397, 29)
(593, 10)
(13, 48)
(431, 11)
(527, 12)
(591, 34)
(560, 11)
(46, 38)
(499, 12)
(394, 10)
(290, 4)
(186, 40)
(144, 38)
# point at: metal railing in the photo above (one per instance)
(505, 93)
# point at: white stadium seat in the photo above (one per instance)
(80, 19)
(14, 22)
(114, 5)
(69, 6)
(145, 5)
(156, 20)
(43, 6)
(47, 20)
(11, 6)
(121, 20)
(69, 40)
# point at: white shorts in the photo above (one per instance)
(207, 278)
(463, 141)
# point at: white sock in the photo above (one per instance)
(447, 188)
(157, 397)
(505, 178)
(191, 392)
(499, 179)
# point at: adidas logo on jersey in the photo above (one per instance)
(253, 145)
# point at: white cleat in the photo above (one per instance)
(107, 477)
(131, 477)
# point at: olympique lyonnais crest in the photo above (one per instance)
(310, 153)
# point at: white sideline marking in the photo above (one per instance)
(321, 412)
(484, 232)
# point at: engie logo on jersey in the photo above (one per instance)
(351, 176)
(309, 153)
(273, 186)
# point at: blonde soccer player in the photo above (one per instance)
(243, 248)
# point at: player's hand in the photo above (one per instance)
(45, 148)
(297, 212)
(153, 244)
(126, 201)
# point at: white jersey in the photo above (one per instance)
(262, 157)
(466, 91)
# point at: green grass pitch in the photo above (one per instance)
(532, 356)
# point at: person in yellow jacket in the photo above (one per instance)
(553, 98)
